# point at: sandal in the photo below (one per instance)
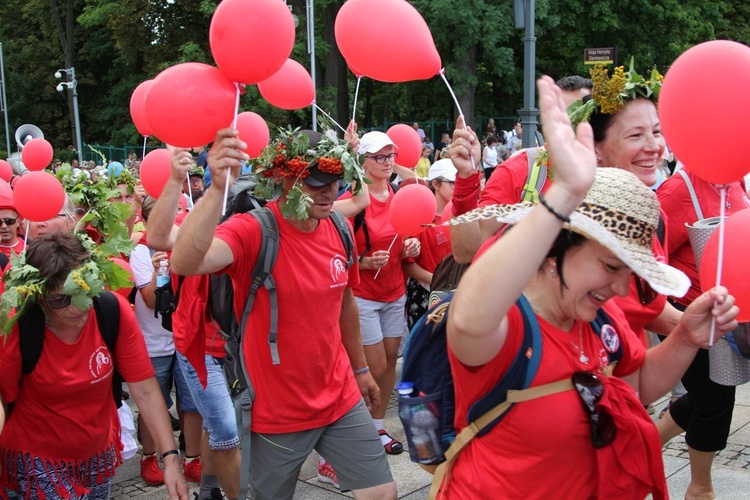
(393, 447)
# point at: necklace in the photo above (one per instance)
(583, 358)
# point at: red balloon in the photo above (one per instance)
(408, 142)
(251, 40)
(736, 250)
(38, 196)
(138, 108)
(6, 191)
(37, 154)
(387, 40)
(697, 69)
(125, 291)
(6, 171)
(188, 103)
(156, 168)
(445, 217)
(289, 88)
(254, 131)
(412, 206)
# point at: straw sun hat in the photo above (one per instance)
(620, 213)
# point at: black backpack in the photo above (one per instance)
(4, 261)
(31, 335)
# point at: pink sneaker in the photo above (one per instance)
(326, 474)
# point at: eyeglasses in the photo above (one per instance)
(645, 292)
(590, 388)
(58, 301)
(446, 181)
(8, 221)
(383, 158)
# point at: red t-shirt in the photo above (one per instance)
(435, 244)
(543, 447)
(390, 283)
(676, 202)
(506, 183)
(313, 385)
(64, 410)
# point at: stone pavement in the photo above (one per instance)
(731, 470)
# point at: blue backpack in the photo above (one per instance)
(428, 418)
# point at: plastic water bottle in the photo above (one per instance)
(405, 389)
(162, 274)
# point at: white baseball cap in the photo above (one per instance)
(372, 142)
(442, 168)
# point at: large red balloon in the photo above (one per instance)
(412, 206)
(37, 154)
(156, 168)
(289, 88)
(6, 171)
(736, 250)
(683, 107)
(408, 142)
(138, 108)
(254, 131)
(387, 40)
(38, 196)
(187, 103)
(250, 40)
(6, 191)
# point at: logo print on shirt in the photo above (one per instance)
(610, 339)
(339, 274)
(100, 364)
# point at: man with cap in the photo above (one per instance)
(9, 223)
(313, 397)
(192, 187)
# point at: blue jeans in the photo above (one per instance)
(214, 402)
(164, 373)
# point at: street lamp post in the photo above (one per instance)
(72, 84)
(311, 50)
(524, 13)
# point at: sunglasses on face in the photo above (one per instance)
(383, 158)
(58, 301)
(8, 221)
(590, 389)
(645, 293)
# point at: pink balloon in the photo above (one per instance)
(412, 206)
(6, 171)
(388, 40)
(38, 196)
(289, 88)
(736, 250)
(408, 142)
(138, 108)
(254, 131)
(37, 154)
(125, 292)
(250, 40)
(697, 69)
(156, 168)
(188, 103)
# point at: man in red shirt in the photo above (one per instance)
(9, 223)
(310, 399)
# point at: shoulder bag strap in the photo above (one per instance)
(107, 310)
(691, 190)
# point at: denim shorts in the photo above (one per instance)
(214, 402)
(164, 373)
(184, 397)
(380, 320)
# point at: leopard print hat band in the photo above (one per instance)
(620, 213)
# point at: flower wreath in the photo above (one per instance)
(23, 282)
(291, 155)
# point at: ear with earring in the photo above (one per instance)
(553, 272)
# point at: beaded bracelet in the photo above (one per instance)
(170, 452)
(551, 210)
(361, 370)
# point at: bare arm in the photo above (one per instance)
(414, 270)
(351, 338)
(477, 325)
(354, 205)
(403, 172)
(147, 396)
(162, 232)
(666, 321)
(196, 251)
(148, 291)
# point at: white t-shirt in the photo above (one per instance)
(159, 341)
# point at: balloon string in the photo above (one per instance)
(26, 238)
(389, 251)
(143, 154)
(460, 111)
(356, 95)
(229, 170)
(190, 191)
(329, 117)
(720, 260)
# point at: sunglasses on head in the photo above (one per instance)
(8, 221)
(590, 389)
(645, 293)
(58, 301)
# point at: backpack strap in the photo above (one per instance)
(107, 310)
(536, 176)
(602, 319)
(339, 221)
(691, 190)
(30, 335)
(4, 261)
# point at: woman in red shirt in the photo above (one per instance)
(62, 436)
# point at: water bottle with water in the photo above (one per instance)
(162, 274)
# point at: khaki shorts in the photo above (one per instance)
(351, 445)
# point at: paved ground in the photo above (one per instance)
(731, 468)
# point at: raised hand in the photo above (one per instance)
(465, 150)
(182, 162)
(226, 154)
